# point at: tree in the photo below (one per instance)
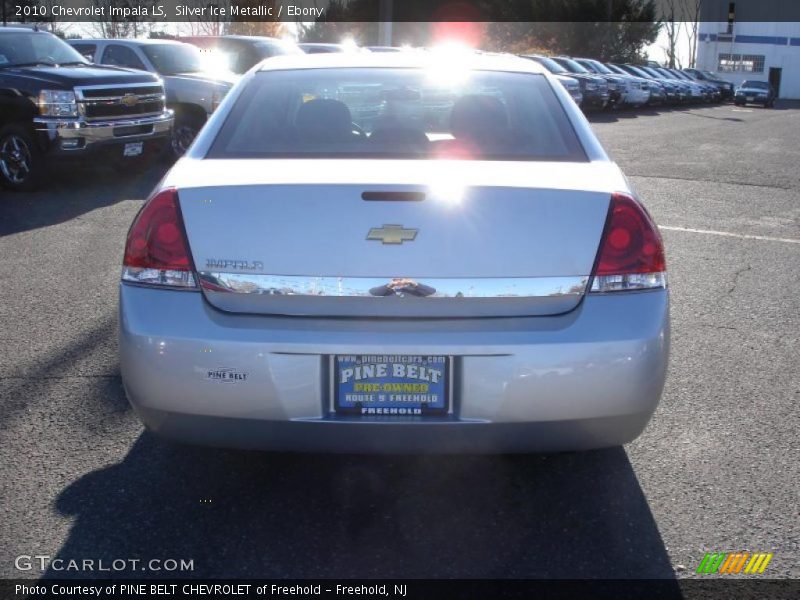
(117, 26)
(691, 10)
(266, 28)
(672, 29)
(8, 11)
(603, 29)
(609, 30)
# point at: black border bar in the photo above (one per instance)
(659, 589)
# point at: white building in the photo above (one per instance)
(739, 49)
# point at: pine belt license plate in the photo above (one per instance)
(391, 385)
(133, 149)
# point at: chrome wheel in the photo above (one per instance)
(15, 159)
(182, 137)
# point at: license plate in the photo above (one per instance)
(391, 385)
(133, 149)
(749, 98)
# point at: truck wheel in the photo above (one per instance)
(21, 162)
(184, 131)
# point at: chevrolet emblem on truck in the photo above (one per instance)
(129, 100)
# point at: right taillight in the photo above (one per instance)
(631, 255)
(156, 251)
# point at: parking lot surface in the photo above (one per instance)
(716, 470)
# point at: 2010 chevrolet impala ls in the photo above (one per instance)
(395, 253)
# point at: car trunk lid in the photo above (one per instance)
(394, 238)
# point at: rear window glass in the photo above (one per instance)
(397, 113)
(755, 84)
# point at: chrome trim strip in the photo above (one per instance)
(374, 287)
(115, 86)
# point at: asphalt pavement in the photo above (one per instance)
(716, 470)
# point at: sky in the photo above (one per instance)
(657, 52)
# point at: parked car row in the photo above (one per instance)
(609, 85)
(126, 99)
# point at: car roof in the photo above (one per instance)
(21, 29)
(255, 38)
(408, 60)
(145, 42)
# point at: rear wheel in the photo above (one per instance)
(21, 162)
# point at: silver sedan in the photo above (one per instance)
(411, 252)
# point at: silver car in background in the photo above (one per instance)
(572, 86)
(341, 264)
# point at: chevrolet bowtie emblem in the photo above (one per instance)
(392, 234)
(129, 100)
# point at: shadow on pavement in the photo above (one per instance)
(71, 193)
(597, 116)
(258, 515)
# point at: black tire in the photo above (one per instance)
(184, 130)
(22, 166)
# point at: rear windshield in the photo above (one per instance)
(571, 65)
(397, 113)
(755, 84)
(171, 59)
(550, 64)
(599, 67)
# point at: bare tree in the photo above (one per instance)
(691, 11)
(266, 28)
(115, 26)
(673, 30)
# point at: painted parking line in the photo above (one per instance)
(743, 236)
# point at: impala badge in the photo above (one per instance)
(392, 234)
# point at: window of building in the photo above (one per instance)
(745, 63)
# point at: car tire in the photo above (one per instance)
(21, 162)
(185, 129)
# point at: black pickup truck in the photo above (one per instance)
(55, 106)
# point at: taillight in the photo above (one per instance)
(631, 255)
(156, 251)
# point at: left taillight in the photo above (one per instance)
(156, 251)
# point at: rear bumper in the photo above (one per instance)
(587, 379)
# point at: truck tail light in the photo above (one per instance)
(156, 251)
(631, 255)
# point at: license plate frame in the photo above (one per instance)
(749, 98)
(132, 149)
(354, 409)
